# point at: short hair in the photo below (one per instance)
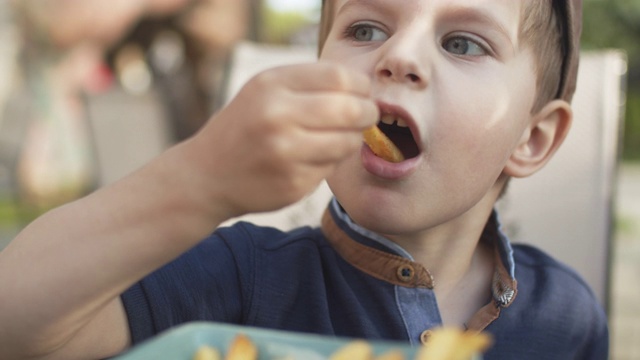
(540, 28)
(326, 22)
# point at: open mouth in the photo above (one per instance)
(400, 134)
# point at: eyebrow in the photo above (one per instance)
(476, 16)
(355, 3)
(467, 14)
(452, 12)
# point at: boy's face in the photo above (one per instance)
(455, 72)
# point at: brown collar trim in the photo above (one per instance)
(483, 317)
(504, 288)
(403, 272)
(379, 264)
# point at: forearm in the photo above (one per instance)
(69, 263)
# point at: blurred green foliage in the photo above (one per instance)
(279, 26)
(615, 24)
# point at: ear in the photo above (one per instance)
(540, 139)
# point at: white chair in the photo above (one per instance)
(128, 131)
(566, 209)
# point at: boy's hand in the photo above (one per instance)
(282, 135)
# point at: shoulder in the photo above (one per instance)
(537, 268)
(267, 238)
(239, 248)
(249, 242)
(554, 298)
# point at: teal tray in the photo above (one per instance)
(181, 343)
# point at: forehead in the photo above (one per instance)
(504, 12)
(509, 4)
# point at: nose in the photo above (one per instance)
(404, 60)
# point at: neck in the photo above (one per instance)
(461, 265)
(448, 251)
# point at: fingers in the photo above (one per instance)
(319, 96)
(318, 77)
(325, 148)
(330, 149)
(285, 131)
(329, 96)
(334, 112)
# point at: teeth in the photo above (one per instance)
(390, 120)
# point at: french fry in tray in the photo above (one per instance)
(443, 344)
(391, 355)
(207, 353)
(453, 344)
(355, 350)
(242, 348)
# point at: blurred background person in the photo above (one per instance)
(184, 56)
(74, 52)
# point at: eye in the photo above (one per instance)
(460, 45)
(365, 32)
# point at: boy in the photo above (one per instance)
(470, 92)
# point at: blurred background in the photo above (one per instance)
(92, 89)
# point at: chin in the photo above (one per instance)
(380, 219)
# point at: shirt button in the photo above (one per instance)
(405, 273)
(424, 337)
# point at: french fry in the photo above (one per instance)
(391, 355)
(453, 344)
(207, 353)
(242, 348)
(380, 144)
(443, 344)
(354, 350)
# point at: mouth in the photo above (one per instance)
(396, 125)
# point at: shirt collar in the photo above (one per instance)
(380, 257)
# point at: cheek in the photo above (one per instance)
(471, 129)
(353, 57)
(485, 118)
(349, 59)
(478, 137)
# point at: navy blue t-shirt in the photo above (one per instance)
(341, 279)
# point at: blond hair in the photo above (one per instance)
(540, 28)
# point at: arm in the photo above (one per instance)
(61, 277)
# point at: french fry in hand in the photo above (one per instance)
(380, 144)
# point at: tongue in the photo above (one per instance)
(402, 138)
